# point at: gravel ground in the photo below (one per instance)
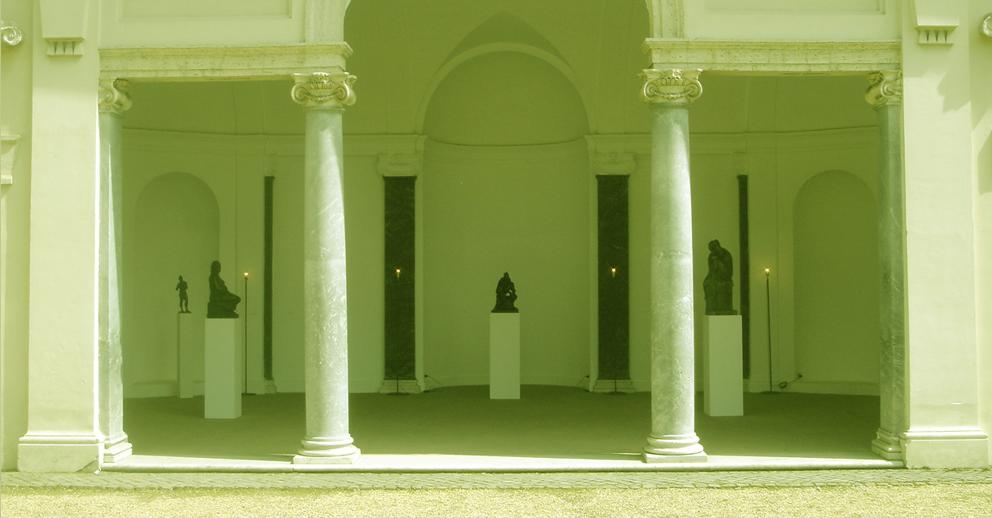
(938, 499)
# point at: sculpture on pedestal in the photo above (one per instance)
(718, 286)
(182, 287)
(506, 294)
(222, 302)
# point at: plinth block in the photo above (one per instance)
(191, 357)
(723, 377)
(222, 372)
(504, 356)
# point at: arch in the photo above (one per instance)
(836, 283)
(174, 230)
(503, 47)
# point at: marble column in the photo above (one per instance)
(113, 102)
(673, 437)
(885, 95)
(325, 298)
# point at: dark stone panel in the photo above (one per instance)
(614, 282)
(745, 272)
(400, 335)
(267, 281)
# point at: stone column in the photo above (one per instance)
(113, 102)
(325, 297)
(673, 437)
(885, 95)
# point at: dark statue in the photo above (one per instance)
(718, 286)
(506, 294)
(183, 288)
(222, 302)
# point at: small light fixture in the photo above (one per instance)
(768, 271)
(246, 275)
(398, 273)
(613, 271)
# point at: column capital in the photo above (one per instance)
(324, 89)
(114, 97)
(10, 33)
(672, 87)
(884, 88)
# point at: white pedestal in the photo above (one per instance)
(723, 391)
(504, 356)
(190, 361)
(222, 370)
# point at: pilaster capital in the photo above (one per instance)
(114, 97)
(884, 88)
(324, 89)
(613, 163)
(10, 33)
(400, 164)
(673, 86)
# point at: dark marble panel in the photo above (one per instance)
(614, 285)
(267, 281)
(744, 269)
(399, 268)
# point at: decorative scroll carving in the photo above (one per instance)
(884, 88)
(987, 26)
(10, 33)
(672, 86)
(324, 89)
(113, 96)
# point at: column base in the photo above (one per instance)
(64, 453)
(605, 386)
(957, 448)
(400, 387)
(327, 451)
(674, 448)
(116, 450)
(886, 445)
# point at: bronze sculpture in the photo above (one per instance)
(506, 295)
(222, 302)
(718, 286)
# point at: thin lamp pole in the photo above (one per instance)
(768, 322)
(244, 381)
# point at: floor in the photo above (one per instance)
(461, 429)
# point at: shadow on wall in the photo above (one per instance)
(173, 231)
(836, 242)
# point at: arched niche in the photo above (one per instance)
(173, 230)
(836, 283)
(506, 188)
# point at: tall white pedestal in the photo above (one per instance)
(723, 377)
(504, 356)
(190, 361)
(222, 370)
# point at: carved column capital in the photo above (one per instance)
(884, 88)
(673, 87)
(114, 97)
(987, 26)
(10, 33)
(324, 89)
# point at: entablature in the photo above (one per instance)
(222, 63)
(774, 57)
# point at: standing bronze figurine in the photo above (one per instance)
(182, 287)
(506, 295)
(222, 302)
(718, 286)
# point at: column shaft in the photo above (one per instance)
(325, 294)
(892, 296)
(113, 101)
(673, 436)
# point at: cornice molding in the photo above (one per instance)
(324, 89)
(781, 57)
(114, 97)
(884, 88)
(234, 63)
(671, 87)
